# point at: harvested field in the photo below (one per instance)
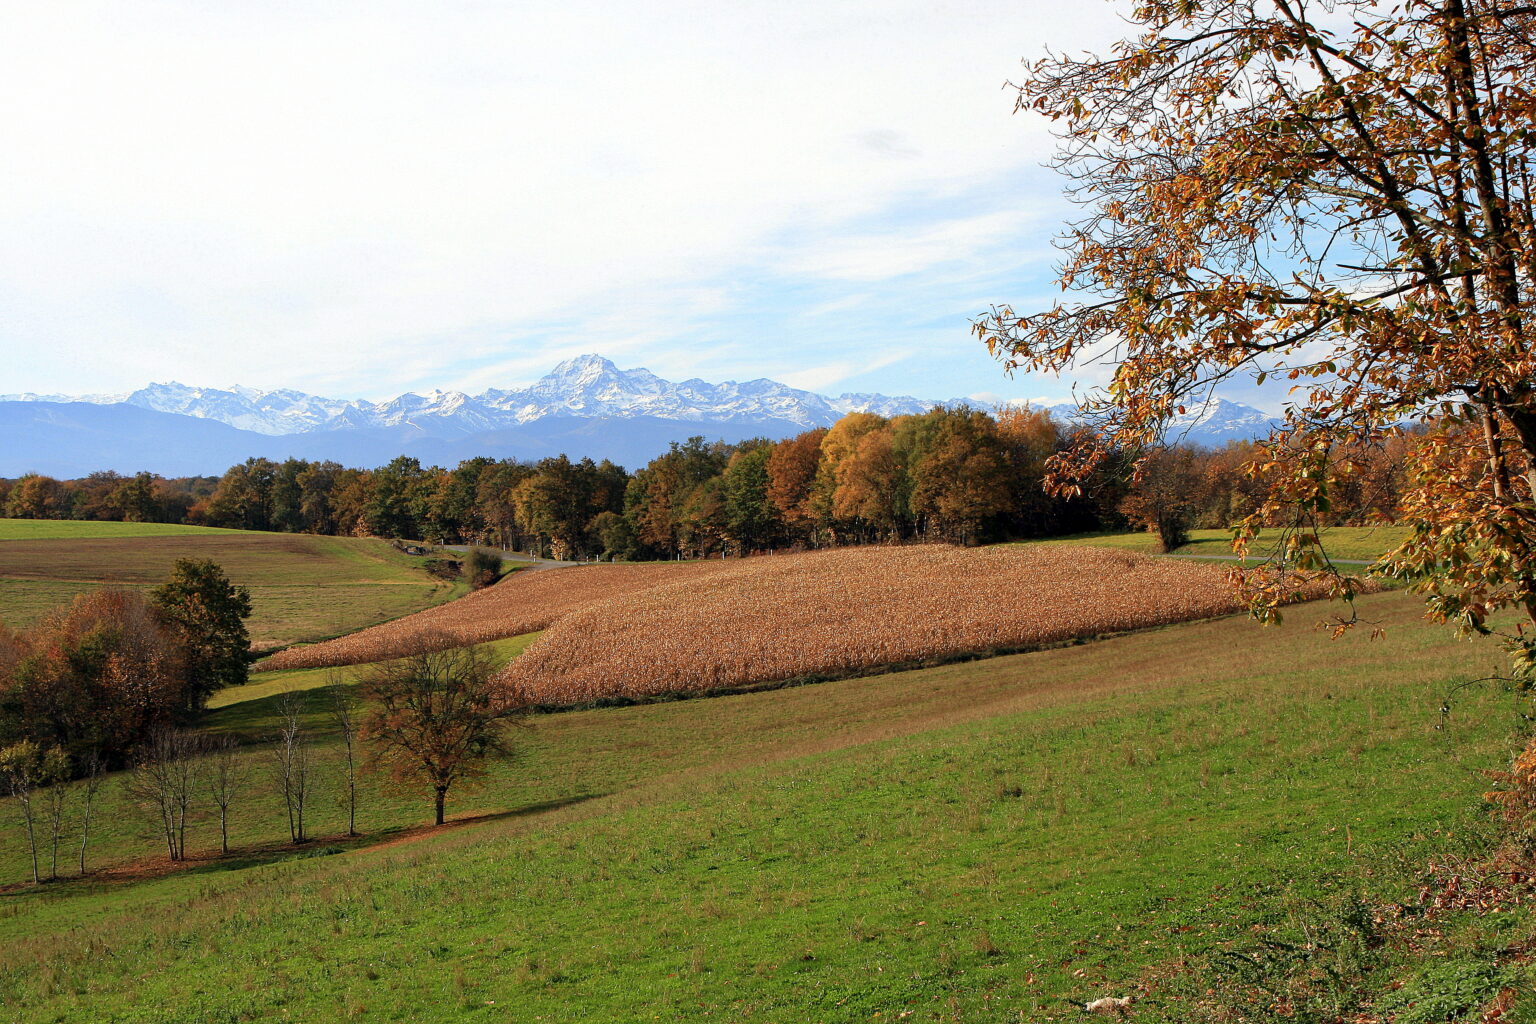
(841, 612)
(523, 603)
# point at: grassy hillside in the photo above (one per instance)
(68, 529)
(1356, 543)
(302, 587)
(978, 842)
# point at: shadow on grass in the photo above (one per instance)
(241, 858)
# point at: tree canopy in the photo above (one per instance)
(207, 614)
(1338, 195)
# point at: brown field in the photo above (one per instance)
(523, 603)
(302, 587)
(842, 612)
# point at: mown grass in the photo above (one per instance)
(1355, 543)
(975, 842)
(68, 529)
(303, 588)
(267, 684)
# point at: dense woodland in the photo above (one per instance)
(960, 475)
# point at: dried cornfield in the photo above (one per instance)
(839, 612)
(522, 603)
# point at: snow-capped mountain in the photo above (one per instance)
(588, 387)
(586, 406)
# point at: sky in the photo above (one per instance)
(358, 199)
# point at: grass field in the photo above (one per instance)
(528, 602)
(68, 529)
(302, 587)
(1356, 543)
(266, 684)
(977, 842)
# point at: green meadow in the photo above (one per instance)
(1352, 543)
(303, 587)
(1221, 818)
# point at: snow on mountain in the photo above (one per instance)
(587, 387)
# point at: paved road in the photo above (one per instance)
(529, 562)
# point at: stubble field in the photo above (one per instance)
(834, 613)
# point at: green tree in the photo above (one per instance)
(207, 613)
(751, 520)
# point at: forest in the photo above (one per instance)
(960, 475)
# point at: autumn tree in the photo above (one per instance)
(792, 471)
(751, 520)
(97, 675)
(1165, 499)
(960, 481)
(36, 497)
(1338, 195)
(434, 717)
(207, 613)
(92, 772)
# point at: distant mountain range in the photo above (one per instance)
(586, 406)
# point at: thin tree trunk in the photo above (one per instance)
(37, 877)
(442, 798)
(85, 830)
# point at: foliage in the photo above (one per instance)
(1334, 195)
(98, 675)
(434, 717)
(483, 566)
(206, 613)
(1446, 991)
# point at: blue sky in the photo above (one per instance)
(363, 198)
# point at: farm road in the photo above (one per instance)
(529, 562)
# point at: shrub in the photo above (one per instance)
(483, 567)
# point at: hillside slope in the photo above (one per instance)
(988, 841)
(303, 587)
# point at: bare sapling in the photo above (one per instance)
(164, 776)
(342, 705)
(226, 777)
(290, 749)
(55, 780)
(21, 764)
(92, 772)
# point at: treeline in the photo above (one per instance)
(960, 475)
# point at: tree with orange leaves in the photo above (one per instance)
(436, 716)
(1336, 195)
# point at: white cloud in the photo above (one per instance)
(369, 196)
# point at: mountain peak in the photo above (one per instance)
(590, 364)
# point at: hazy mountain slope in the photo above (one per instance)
(585, 407)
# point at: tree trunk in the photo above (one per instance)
(37, 877)
(442, 797)
(85, 831)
